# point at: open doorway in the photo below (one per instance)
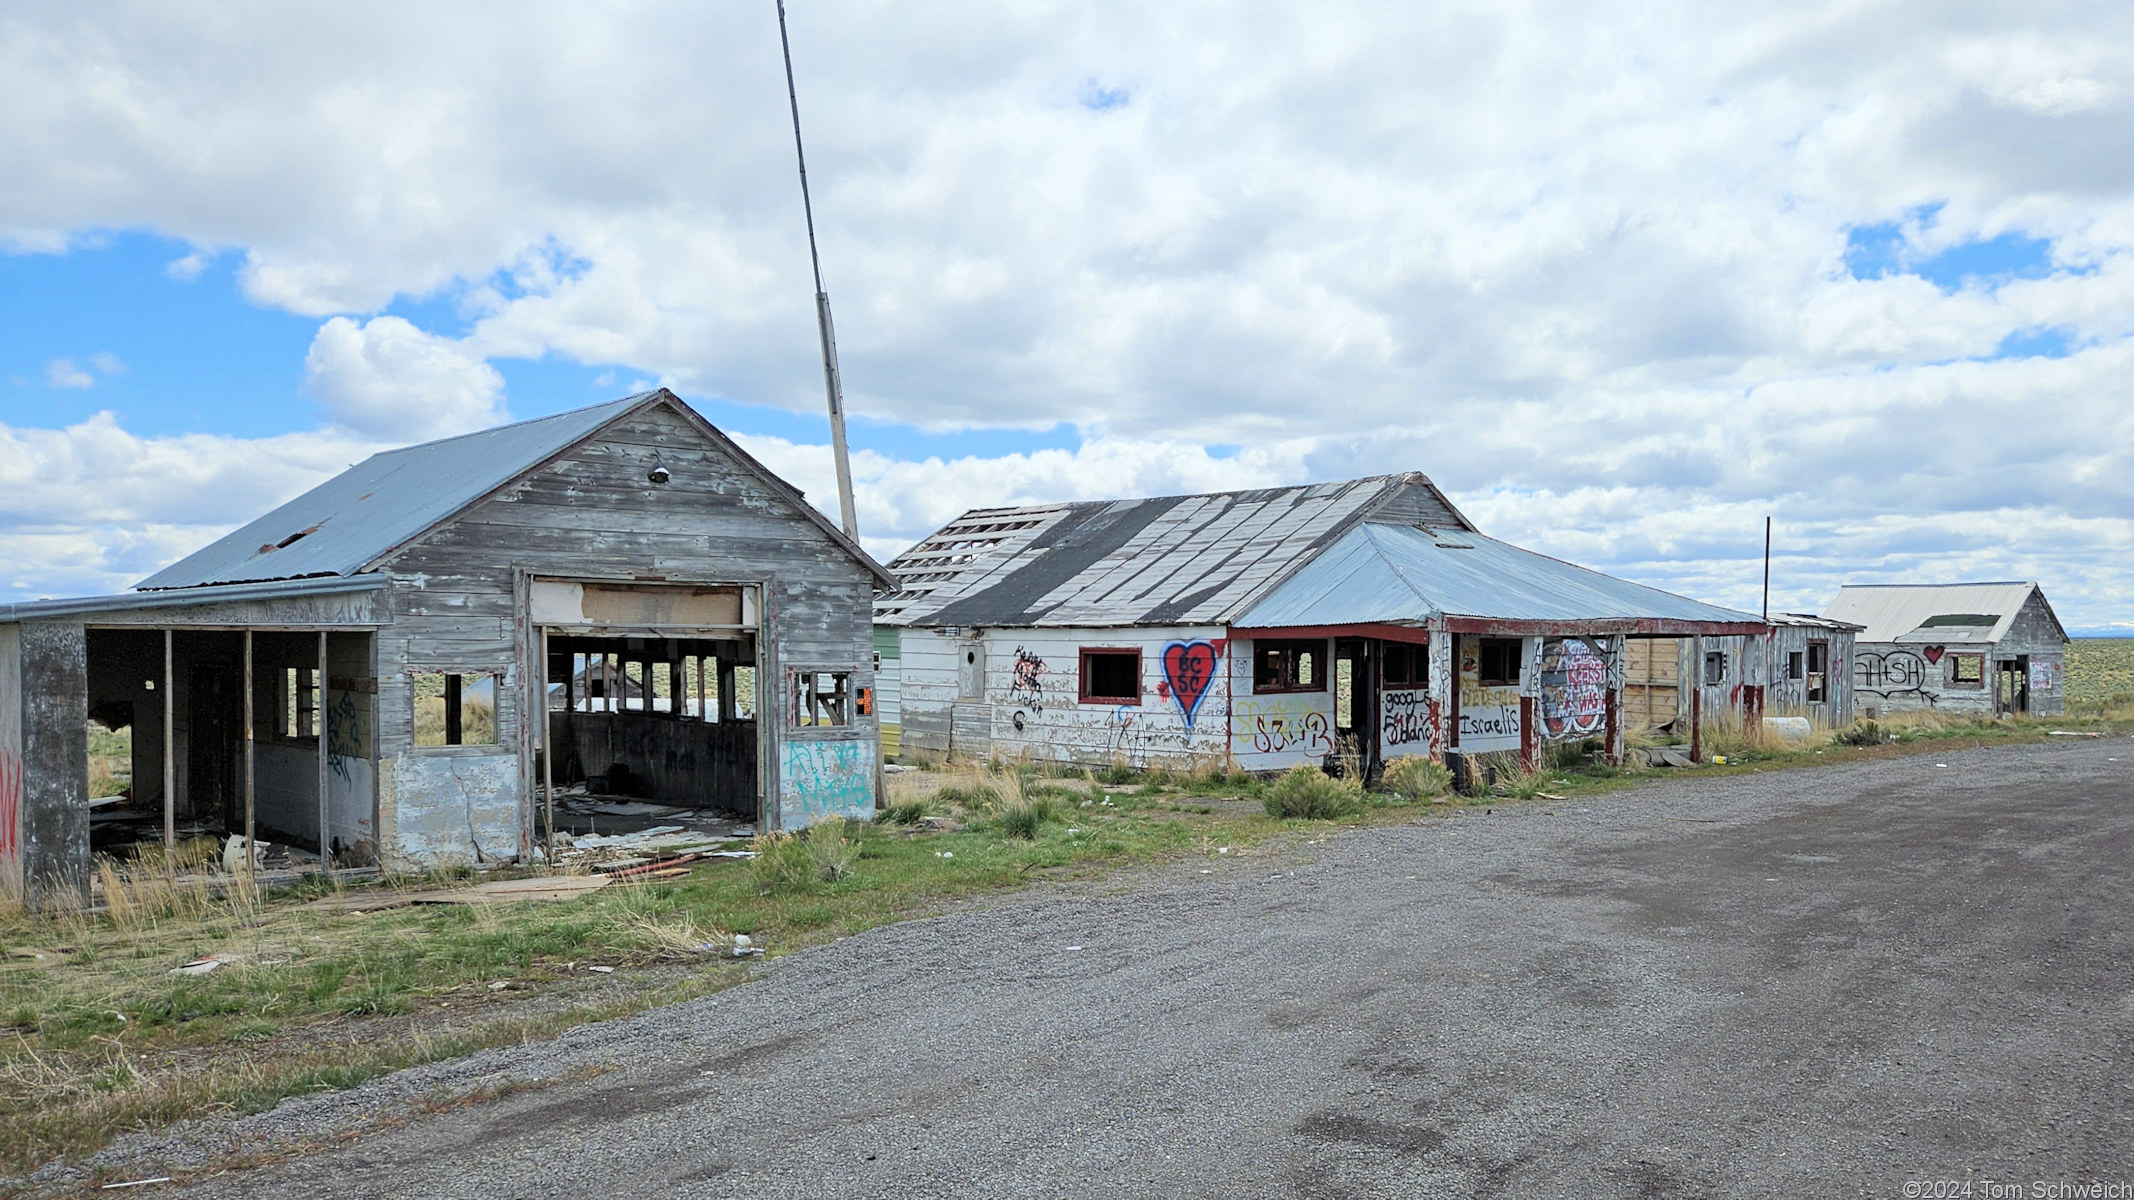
(2011, 685)
(646, 731)
(169, 756)
(1356, 686)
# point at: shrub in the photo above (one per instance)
(1116, 773)
(832, 848)
(1312, 794)
(1416, 778)
(781, 862)
(1020, 820)
(910, 812)
(1864, 733)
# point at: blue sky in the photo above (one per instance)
(1864, 271)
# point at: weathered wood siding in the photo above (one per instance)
(592, 514)
(1909, 676)
(51, 819)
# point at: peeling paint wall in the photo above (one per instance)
(1031, 701)
(825, 777)
(451, 807)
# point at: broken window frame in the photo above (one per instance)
(299, 706)
(453, 699)
(815, 708)
(1795, 665)
(1086, 691)
(1288, 665)
(1818, 683)
(1404, 666)
(1714, 668)
(1956, 677)
(1498, 661)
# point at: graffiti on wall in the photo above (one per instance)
(1489, 715)
(10, 803)
(347, 732)
(2042, 676)
(1407, 723)
(1288, 725)
(1027, 687)
(1897, 673)
(1574, 689)
(1188, 670)
(826, 779)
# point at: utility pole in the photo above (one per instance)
(831, 382)
(1767, 570)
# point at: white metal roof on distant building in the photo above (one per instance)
(1932, 612)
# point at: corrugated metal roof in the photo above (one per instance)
(343, 524)
(144, 601)
(1398, 574)
(1890, 611)
(1168, 560)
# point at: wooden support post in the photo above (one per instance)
(1452, 696)
(251, 776)
(1696, 699)
(1529, 739)
(318, 725)
(170, 757)
(455, 721)
(548, 761)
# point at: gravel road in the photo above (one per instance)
(1811, 982)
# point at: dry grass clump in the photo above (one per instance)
(822, 853)
(1308, 793)
(1416, 778)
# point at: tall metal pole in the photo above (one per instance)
(832, 384)
(1767, 570)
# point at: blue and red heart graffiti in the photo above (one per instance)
(1188, 670)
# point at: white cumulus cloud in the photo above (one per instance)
(386, 379)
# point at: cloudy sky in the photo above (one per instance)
(1622, 279)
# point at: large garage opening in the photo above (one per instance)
(653, 720)
(169, 759)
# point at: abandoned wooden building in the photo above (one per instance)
(1987, 648)
(354, 672)
(1263, 629)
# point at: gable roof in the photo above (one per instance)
(1934, 612)
(365, 513)
(1405, 575)
(1165, 560)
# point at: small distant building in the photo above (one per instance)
(1358, 621)
(1986, 648)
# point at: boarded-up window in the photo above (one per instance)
(454, 709)
(1111, 677)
